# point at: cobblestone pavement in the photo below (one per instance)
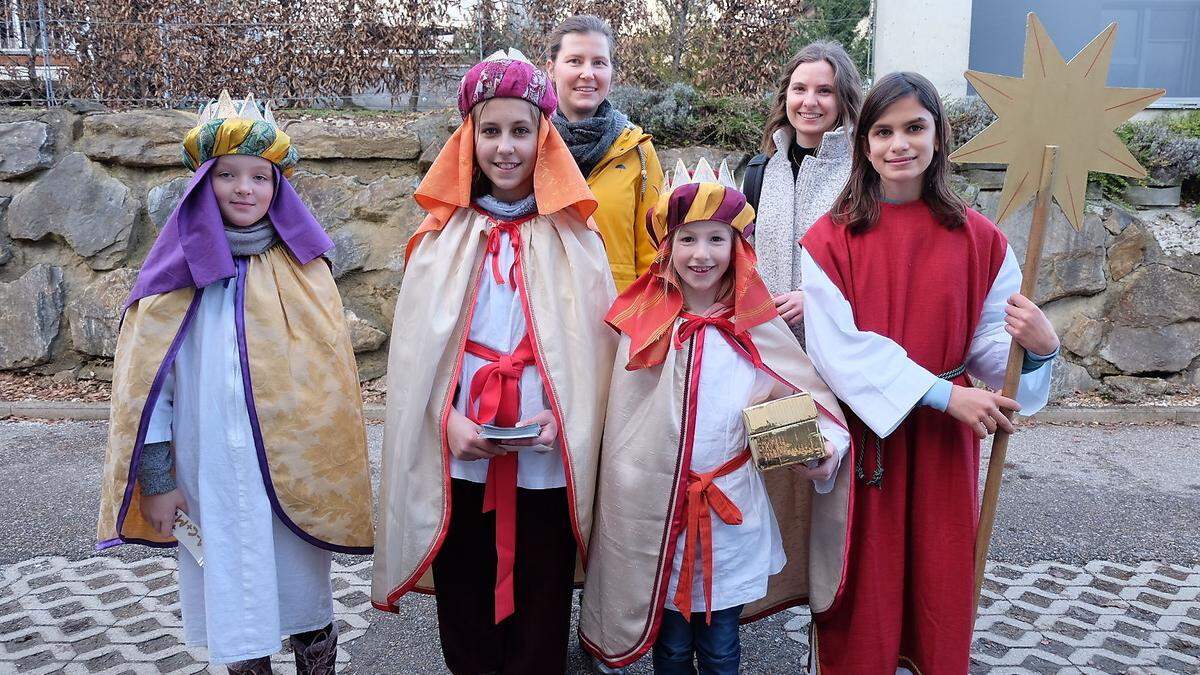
(106, 615)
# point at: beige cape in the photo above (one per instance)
(306, 406)
(640, 491)
(562, 273)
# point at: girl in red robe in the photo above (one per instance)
(907, 293)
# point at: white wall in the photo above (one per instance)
(931, 37)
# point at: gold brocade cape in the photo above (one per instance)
(640, 496)
(302, 393)
(562, 275)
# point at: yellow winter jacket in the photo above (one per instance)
(627, 182)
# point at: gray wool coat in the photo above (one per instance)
(786, 209)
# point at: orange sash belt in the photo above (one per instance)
(701, 497)
(495, 397)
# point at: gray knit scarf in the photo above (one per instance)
(252, 239)
(507, 210)
(589, 139)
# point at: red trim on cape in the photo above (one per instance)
(410, 583)
(654, 621)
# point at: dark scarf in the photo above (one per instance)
(589, 139)
(252, 239)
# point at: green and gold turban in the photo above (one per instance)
(238, 128)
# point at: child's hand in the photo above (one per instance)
(1028, 325)
(791, 307)
(549, 434)
(462, 435)
(823, 471)
(159, 510)
(981, 410)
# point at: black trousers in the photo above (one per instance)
(534, 639)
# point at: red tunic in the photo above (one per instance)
(908, 597)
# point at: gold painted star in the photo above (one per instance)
(1056, 103)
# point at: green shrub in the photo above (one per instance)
(1186, 124)
(666, 113)
(1111, 186)
(1164, 152)
(967, 117)
(679, 116)
(731, 122)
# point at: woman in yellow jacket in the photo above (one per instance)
(615, 156)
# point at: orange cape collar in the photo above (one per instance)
(557, 183)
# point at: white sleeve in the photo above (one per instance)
(988, 355)
(164, 411)
(867, 371)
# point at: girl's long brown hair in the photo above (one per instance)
(847, 89)
(857, 207)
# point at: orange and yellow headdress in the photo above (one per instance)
(229, 127)
(647, 310)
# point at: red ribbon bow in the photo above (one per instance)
(493, 247)
(740, 343)
(703, 496)
(495, 396)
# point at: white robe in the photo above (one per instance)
(874, 376)
(259, 580)
(499, 323)
(745, 555)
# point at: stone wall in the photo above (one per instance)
(84, 192)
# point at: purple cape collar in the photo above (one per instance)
(192, 252)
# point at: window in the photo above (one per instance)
(1158, 41)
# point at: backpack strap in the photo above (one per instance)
(753, 179)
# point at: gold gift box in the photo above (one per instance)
(784, 432)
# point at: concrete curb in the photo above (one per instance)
(1119, 414)
(374, 412)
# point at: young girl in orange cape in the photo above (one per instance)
(499, 321)
(686, 543)
(235, 400)
(907, 292)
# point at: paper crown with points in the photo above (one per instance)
(246, 127)
(703, 173)
(699, 195)
(246, 109)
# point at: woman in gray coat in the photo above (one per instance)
(803, 164)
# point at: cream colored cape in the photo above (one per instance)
(640, 495)
(306, 406)
(562, 273)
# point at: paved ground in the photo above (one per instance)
(1096, 568)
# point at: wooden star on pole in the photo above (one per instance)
(1061, 104)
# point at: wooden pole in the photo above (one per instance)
(1012, 375)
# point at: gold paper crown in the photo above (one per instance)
(702, 174)
(227, 108)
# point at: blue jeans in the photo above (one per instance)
(715, 646)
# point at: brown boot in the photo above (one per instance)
(259, 666)
(316, 651)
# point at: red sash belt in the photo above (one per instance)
(495, 397)
(701, 497)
